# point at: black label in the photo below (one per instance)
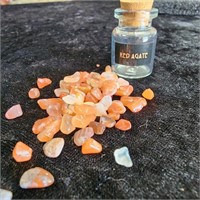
(133, 55)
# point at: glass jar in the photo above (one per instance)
(134, 43)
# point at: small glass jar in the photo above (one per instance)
(134, 43)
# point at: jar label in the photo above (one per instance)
(133, 55)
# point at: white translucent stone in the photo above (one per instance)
(122, 157)
(100, 109)
(106, 101)
(5, 194)
(69, 99)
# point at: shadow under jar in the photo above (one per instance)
(134, 43)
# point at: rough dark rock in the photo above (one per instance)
(54, 40)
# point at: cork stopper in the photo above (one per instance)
(138, 12)
(136, 4)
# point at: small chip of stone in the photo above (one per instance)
(5, 194)
(122, 157)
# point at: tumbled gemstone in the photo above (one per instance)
(97, 127)
(90, 98)
(123, 125)
(44, 103)
(36, 178)
(106, 101)
(34, 93)
(84, 87)
(66, 126)
(82, 135)
(148, 94)
(49, 131)
(64, 85)
(69, 99)
(109, 87)
(5, 194)
(122, 157)
(84, 109)
(54, 110)
(83, 76)
(135, 104)
(53, 148)
(122, 82)
(108, 68)
(129, 99)
(43, 82)
(124, 90)
(107, 121)
(59, 92)
(14, 112)
(91, 146)
(72, 78)
(94, 79)
(40, 124)
(22, 152)
(109, 76)
(81, 121)
(80, 96)
(67, 109)
(100, 109)
(96, 92)
(117, 107)
(114, 116)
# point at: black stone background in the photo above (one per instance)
(54, 40)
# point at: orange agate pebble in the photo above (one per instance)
(117, 107)
(123, 125)
(81, 121)
(44, 103)
(40, 124)
(148, 94)
(49, 131)
(36, 178)
(22, 152)
(34, 93)
(124, 90)
(91, 146)
(43, 82)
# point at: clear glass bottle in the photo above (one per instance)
(134, 43)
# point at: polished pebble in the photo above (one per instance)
(14, 112)
(36, 178)
(5, 194)
(53, 148)
(122, 157)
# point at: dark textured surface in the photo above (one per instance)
(54, 40)
(178, 7)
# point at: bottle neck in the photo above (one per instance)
(138, 19)
(124, 23)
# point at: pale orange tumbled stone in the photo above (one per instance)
(117, 107)
(34, 93)
(43, 82)
(123, 125)
(53, 148)
(81, 121)
(36, 178)
(49, 131)
(66, 126)
(91, 146)
(44, 103)
(22, 152)
(14, 112)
